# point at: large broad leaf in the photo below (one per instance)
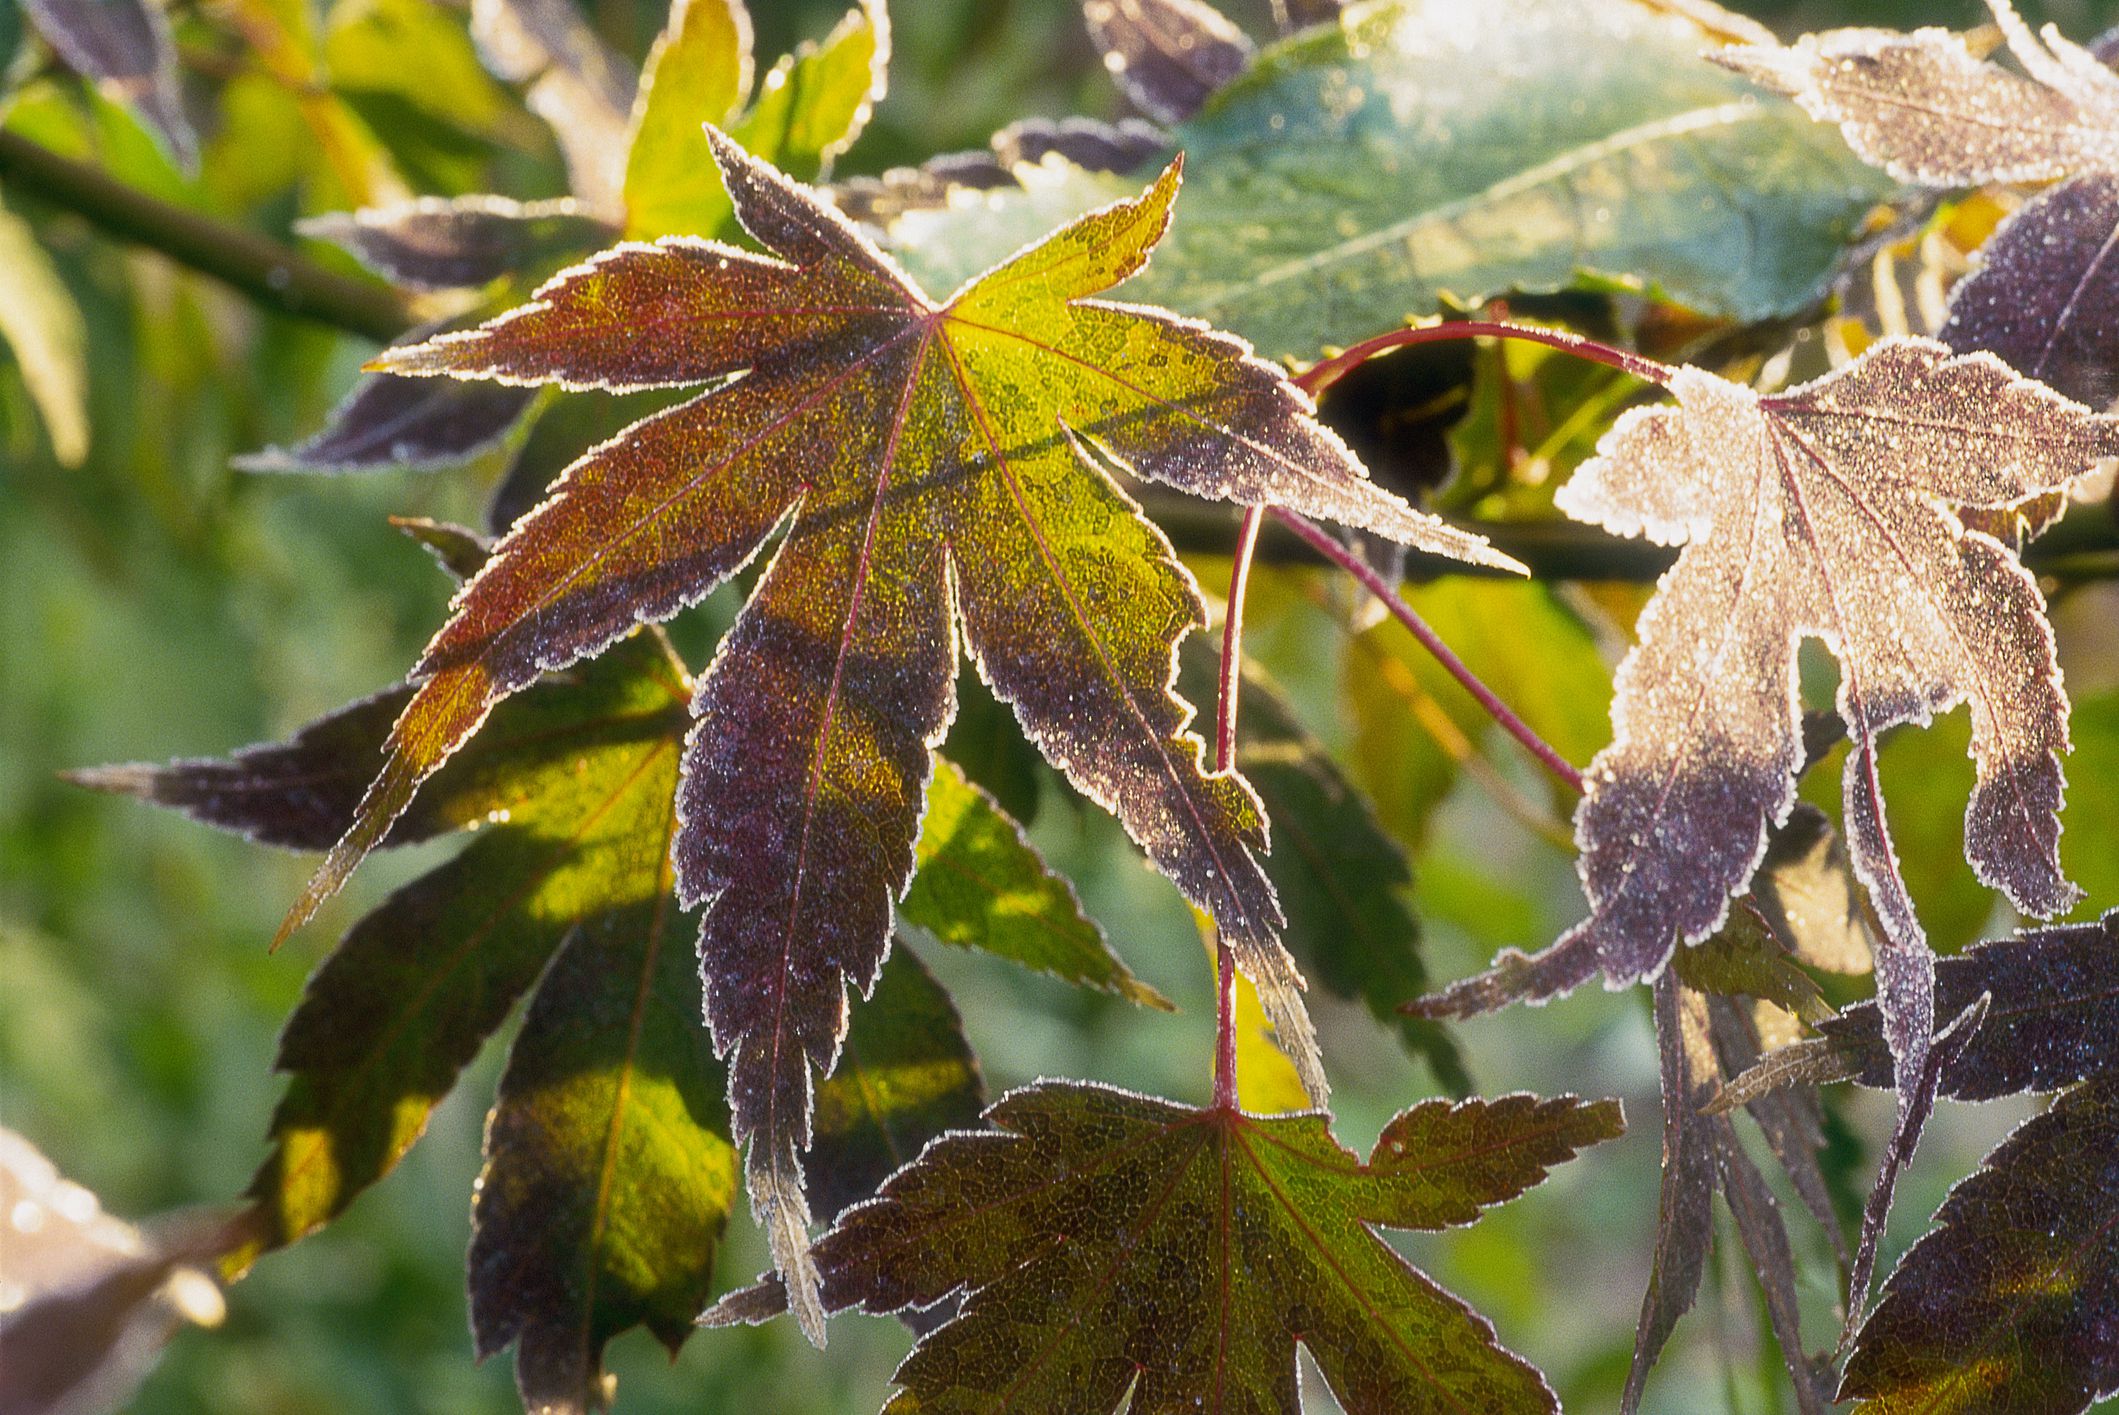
(609, 1168)
(935, 465)
(2012, 1302)
(1109, 1246)
(1822, 511)
(1920, 105)
(1358, 172)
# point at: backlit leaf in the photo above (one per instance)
(387, 421)
(933, 464)
(2053, 1021)
(804, 112)
(1821, 511)
(1359, 171)
(459, 243)
(978, 884)
(42, 327)
(2046, 296)
(2012, 1302)
(1341, 878)
(1106, 1245)
(124, 48)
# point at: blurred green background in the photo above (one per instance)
(155, 604)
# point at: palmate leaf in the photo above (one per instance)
(1921, 106)
(609, 1168)
(811, 105)
(2052, 1020)
(2012, 1302)
(1822, 511)
(933, 464)
(1113, 1251)
(1360, 171)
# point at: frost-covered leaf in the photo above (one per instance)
(2046, 295)
(1822, 511)
(1358, 172)
(1702, 1156)
(460, 243)
(1341, 878)
(124, 47)
(2012, 1302)
(1168, 55)
(2053, 1020)
(933, 465)
(1082, 144)
(42, 327)
(1106, 1245)
(388, 421)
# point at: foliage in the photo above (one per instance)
(696, 836)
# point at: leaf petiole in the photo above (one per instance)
(1323, 374)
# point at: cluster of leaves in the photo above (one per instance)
(942, 471)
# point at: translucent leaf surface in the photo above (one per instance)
(935, 466)
(1822, 511)
(1360, 170)
(1106, 1245)
(2046, 295)
(2012, 1302)
(42, 327)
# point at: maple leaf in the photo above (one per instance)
(1697, 1037)
(609, 1170)
(1107, 1245)
(2010, 1303)
(1821, 511)
(933, 464)
(1923, 107)
(2051, 1020)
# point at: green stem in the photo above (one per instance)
(274, 275)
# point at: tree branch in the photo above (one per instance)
(274, 275)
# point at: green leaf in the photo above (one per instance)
(698, 72)
(905, 1076)
(977, 883)
(1109, 1246)
(1359, 172)
(609, 1174)
(938, 468)
(2009, 1304)
(41, 324)
(1342, 879)
(1415, 729)
(807, 109)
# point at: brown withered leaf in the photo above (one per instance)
(939, 468)
(1820, 512)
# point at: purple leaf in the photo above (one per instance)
(1168, 55)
